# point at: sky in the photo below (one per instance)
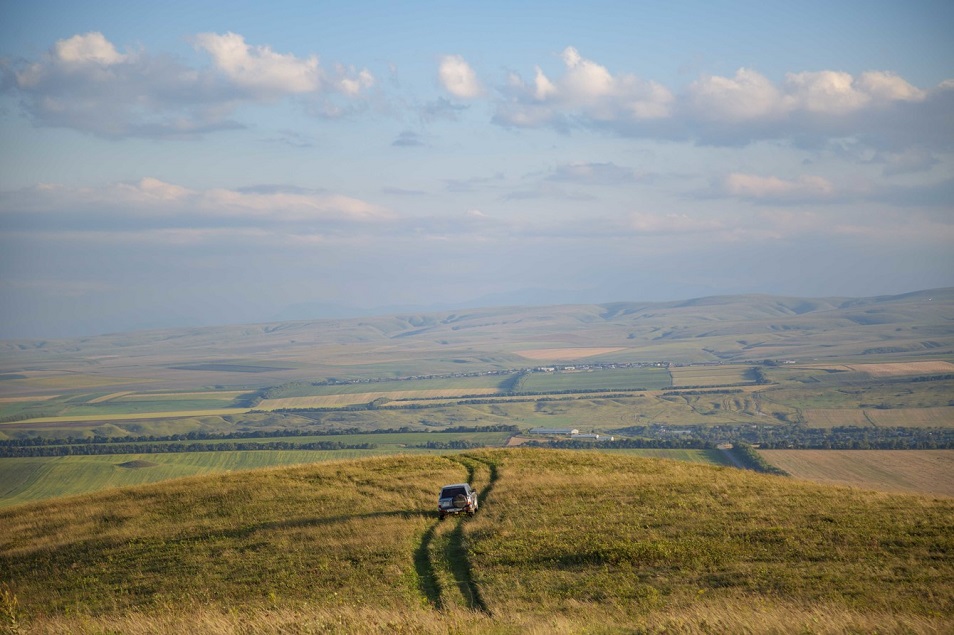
(185, 164)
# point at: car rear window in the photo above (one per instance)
(451, 492)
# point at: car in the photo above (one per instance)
(457, 499)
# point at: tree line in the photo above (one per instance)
(89, 449)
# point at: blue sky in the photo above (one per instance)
(167, 164)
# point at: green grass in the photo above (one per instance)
(565, 542)
(79, 405)
(25, 480)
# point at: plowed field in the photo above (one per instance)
(918, 471)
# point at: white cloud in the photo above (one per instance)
(458, 78)
(151, 202)
(87, 48)
(877, 108)
(751, 186)
(594, 174)
(585, 90)
(747, 95)
(85, 83)
(259, 68)
(351, 81)
(646, 223)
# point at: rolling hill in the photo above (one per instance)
(716, 329)
(564, 542)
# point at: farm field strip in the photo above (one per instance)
(347, 399)
(708, 375)
(937, 417)
(29, 479)
(109, 397)
(463, 385)
(138, 415)
(219, 395)
(602, 379)
(890, 369)
(911, 471)
(73, 381)
(4, 400)
(32, 479)
(566, 353)
(834, 417)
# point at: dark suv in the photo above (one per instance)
(457, 498)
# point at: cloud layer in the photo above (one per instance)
(878, 106)
(85, 83)
(453, 176)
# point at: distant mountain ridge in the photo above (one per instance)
(709, 329)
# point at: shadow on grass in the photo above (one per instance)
(456, 555)
(427, 580)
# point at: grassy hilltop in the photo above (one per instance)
(564, 542)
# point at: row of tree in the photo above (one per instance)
(89, 449)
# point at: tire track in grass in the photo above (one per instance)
(441, 561)
(455, 552)
(428, 583)
(455, 555)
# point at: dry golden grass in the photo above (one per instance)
(832, 417)
(708, 375)
(69, 381)
(751, 615)
(141, 415)
(939, 417)
(218, 394)
(345, 399)
(912, 417)
(565, 353)
(109, 397)
(904, 368)
(913, 471)
(616, 545)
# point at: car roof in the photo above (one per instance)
(457, 485)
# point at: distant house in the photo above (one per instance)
(566, 431)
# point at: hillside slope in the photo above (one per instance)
(564, 542)
(717, 329)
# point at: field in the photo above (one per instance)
(31, 479)
(709, 375)
(25, 480)
(351, 398)
(920, 471)
(617, 544)
(939, 417)
(904, 368)
(602, 379)
(738, 363)
(564, 354)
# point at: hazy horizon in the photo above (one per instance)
(183, 165)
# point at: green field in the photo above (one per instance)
(564, 542)
(83, 406)
(30, 479)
